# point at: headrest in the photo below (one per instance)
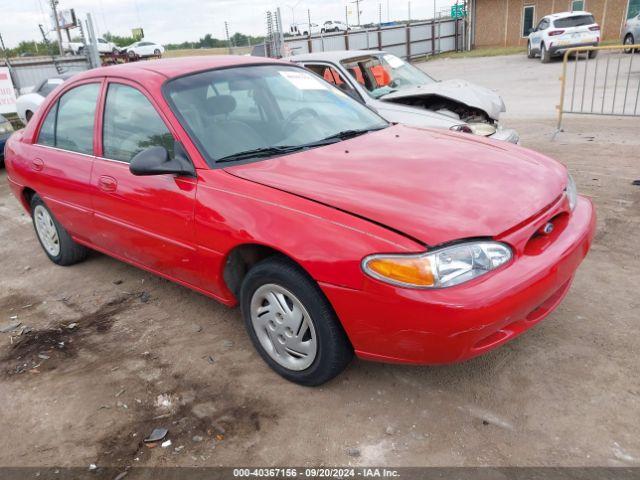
(221, 104)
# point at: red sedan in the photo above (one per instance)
(255, 182)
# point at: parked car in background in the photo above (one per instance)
(28, 104)
(557, 32)
(631, 32)
(253, 181)
(74, 48)
(404, 94)
(143, 48)
(334, 26)
(305, 28)
(107, 47)
(6, 129)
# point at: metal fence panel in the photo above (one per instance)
(393, 39)
(28, 73)
(608, 84)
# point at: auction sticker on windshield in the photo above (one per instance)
(393, 61)
(302, 80)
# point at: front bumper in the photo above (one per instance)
(506, 135)
(392, 324)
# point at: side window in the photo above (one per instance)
(69, 124)
(48, 87)
(47, 135)
(131, 124)
(76, 116)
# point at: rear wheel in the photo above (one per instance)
(628, 40)
(157, 52)
(54, 239)
(292, 324)
(545, 56)
(530, 53)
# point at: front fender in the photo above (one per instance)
(329, 244)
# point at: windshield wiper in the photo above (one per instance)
(263, 152)
(260, 153)
(347, 134)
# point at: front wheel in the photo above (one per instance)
(292, 324)
(54, 239)
(530, 53)
(157, 52)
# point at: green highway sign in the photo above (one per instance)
(458, 11)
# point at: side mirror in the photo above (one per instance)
(531, 30)
(156, 161)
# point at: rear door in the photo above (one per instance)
(63, 157)
(146, 220)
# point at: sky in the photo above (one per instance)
(175, 21)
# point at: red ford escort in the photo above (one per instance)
(255, 182)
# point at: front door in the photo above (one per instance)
(146, 220)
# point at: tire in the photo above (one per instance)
(115, 51)
(545, 56)
(628, 40)
(157, 52)
(80, 51)
(322, 30)
(530, 53)
(305, 34)
(131, 54)
(328, 350)
(593, 53)
(68, 252)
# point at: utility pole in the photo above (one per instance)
(409, 8)
(357, 2)
(226, 31)
(54, 4)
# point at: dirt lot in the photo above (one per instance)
(145, 353)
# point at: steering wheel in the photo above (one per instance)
(299, 113)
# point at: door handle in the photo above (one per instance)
(107, 183)
(37, 164)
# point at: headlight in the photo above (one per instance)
(484, 129)
(440, 268)
(5, 127)
(571, 192)
(461, 128)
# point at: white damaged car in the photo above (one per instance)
(402, 93)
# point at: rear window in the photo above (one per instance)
(575, 21)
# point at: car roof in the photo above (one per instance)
(176, 67)
(335, 57)
(576, 13)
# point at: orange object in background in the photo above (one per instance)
(381, 75)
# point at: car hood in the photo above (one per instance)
(430, 185)
(461, 91)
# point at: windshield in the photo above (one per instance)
(251, 112)
(574, 21)
(385, 73)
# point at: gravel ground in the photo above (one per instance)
(120, 352)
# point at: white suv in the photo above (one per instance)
(557, 32)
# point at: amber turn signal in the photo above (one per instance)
(415, 271)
